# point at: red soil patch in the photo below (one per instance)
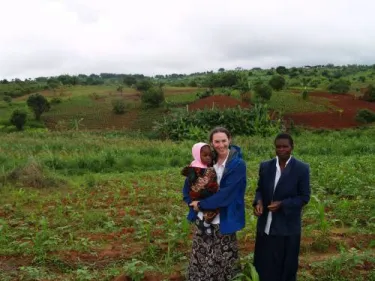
(343, 117)
(217, 102)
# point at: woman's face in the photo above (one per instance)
(283, 149)
(220, 143)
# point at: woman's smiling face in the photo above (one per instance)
(220, 143)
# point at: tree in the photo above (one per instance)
(263, 91)
(340, 86)
(144, 85)
(281, 70)
(277, 82)
(118, 106)
(18, 119)
(369, 93)
(129, 80)
(38, 104)
(153, 97)
(53, 84)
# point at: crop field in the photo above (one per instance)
(95, 205)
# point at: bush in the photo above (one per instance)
(263, 91)
(118, 106)
(369, 94)
(18, 119)
(153, 97)
(206, 93)
(365, 116)
(277, 82)
(7, 99)
(38, 105)
(189, 125)
(314, 83)
(144, 85)
(340, 86)
(55, 100)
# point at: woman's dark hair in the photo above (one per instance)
(219, 130)
(285, 136)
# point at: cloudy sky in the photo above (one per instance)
(52, 37)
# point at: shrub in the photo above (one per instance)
(18, 119)
(195, 124)
(369, 93)
(206, 93)
(277, 82)
(339, 86)
(144, 85)
(152, 97)
(38, 105)
(7, 99)
(305, 95)
(55, 100)
(365, 116)
(314, 83)
(118, 106)
(263, 91)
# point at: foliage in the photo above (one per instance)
(305, 94)
(7, 99)
(188, 125)
(18, 119)
(365, 116)
(118, 106)
(314, 83)
(38, 105)
(263, 91)
(369, 93)
(144, 85)
(281, 70)
(206, 93)
(339, 86)
(153, 97)
(277, 82)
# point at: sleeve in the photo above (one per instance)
(296, 203)
(227, 194)
(258, 191)
(185, 192)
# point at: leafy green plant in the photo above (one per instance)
(18, 119)
(118, 106)
(135, 269)
(365, 116)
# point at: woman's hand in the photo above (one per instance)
(195, 206)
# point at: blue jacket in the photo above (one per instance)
(293, 190)
(230, 199)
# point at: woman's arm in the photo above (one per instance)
(226, 194)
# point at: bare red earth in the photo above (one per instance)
(344, 117)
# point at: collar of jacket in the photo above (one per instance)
(234, 156)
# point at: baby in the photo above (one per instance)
(202, 179)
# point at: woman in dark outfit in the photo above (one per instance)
(283, 189)
(214, 255)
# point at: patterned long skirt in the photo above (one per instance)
(214, 256)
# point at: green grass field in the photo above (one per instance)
(90, 206)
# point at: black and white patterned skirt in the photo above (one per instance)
(214, 256)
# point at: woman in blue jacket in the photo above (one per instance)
(214, 253)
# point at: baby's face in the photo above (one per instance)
(206, 155)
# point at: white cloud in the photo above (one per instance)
(51, 37)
